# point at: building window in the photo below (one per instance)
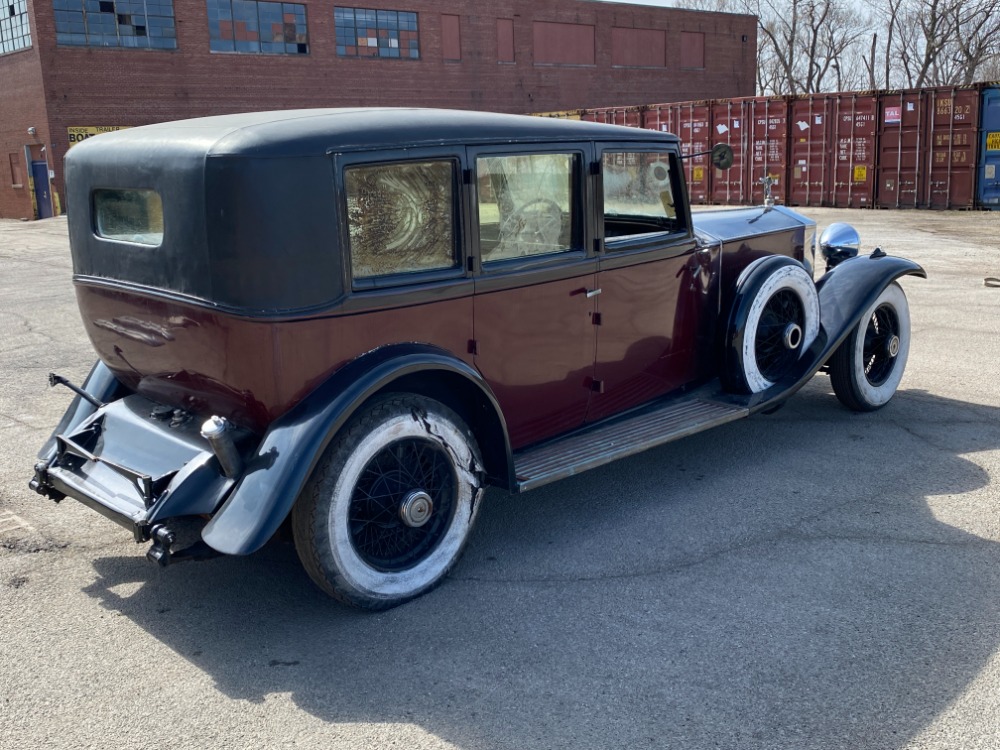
(692, 50)
(254, 27)
(146, 24)
(16, 171)
(505, 40)
(451, 37)
(376, 33)
(14, 31)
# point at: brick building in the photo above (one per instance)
(69, 68)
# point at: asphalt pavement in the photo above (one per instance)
(810, 579)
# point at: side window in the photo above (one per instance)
(526, 205)
(401, 218)
(639, 194)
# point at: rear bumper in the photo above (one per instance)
(135, 462)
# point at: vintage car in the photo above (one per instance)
(350, 322)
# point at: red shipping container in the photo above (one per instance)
(953, 115)
(902, 142)
(730, 124)
(853, 158)
(628, 116)
(690, 122)
(810, 179)
(768, 147)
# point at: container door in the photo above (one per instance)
(658, 295)
(853, 155)
(953, 115)
(810, 178)
(729, 125)
(902, 141)
(692, 119)
(989, 150)
(769, 147)
(534, 339)
(40, 176)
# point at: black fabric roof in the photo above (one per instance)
(311, 131)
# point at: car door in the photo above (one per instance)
(534, 339)
(659, 294)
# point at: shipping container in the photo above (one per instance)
(916, 148)
(953, 135)
(988, 192)
(628, 116)
(902, 142)
(729, 124)
(690, 122)
(768, 147)
(569, 114)
(855, 149)
(810, 179)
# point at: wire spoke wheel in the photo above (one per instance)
(774, 319)
(380, 531)
(777, 344)
(881, 345)
(391, 504)
(867, 368)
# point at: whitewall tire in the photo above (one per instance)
(390, 506)
(867, 368)
(775, 320)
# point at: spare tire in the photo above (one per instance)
(774, 318)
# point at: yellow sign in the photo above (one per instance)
(697, 174)
(77, 135)
(860, 174)
(993, 141)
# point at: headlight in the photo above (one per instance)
(839, 242)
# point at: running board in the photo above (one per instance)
(603, 444)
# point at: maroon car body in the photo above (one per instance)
(306, 277)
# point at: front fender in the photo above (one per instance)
(295, 442)
(844, 294)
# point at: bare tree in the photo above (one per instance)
(810, 46)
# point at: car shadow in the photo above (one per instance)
(813, 578)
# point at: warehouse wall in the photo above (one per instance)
(566, 54)
(23, 106)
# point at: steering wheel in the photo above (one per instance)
(536, 224)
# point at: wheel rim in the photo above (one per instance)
(779, 334)
(385, 530)
(881, 345)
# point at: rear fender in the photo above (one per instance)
(845, 293)
(278, 471)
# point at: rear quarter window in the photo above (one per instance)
(401, 218)
(129, 215)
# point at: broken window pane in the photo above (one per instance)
(525, 205)
(401, 218)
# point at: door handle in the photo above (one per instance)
(593, 292)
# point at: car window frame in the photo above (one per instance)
(669, 243)
(563, 263)
(400, 283)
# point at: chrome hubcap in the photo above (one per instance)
(893, 346)
(792, 336)
(416, 509)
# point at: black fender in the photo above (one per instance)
(845, 293)
(295, 442)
